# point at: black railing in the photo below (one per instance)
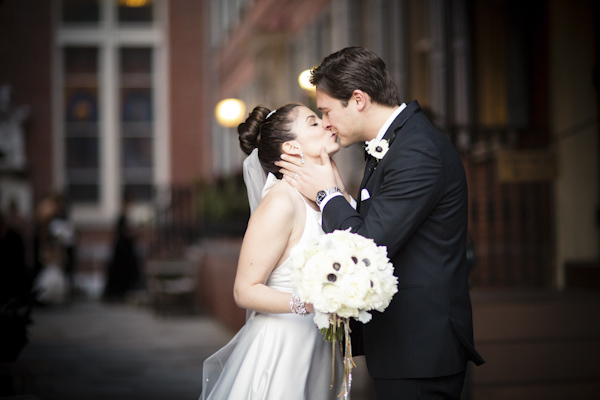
(185, 214)
(176, 223)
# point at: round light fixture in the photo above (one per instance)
(304, 80)
(230, 112)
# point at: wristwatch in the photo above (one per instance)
(321, 194)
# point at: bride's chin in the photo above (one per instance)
(334, 150)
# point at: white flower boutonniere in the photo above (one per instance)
(377, 148)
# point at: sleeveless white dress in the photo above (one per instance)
(275, 356)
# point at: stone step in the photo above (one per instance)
(547, 391)
(537, 345)
(535, 315)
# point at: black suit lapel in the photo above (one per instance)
(411, 108)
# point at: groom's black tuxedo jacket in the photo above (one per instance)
(418, 209)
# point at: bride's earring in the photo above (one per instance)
(302, 157)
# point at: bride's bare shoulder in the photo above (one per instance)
(281, 199)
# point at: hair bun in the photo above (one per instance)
(249, 130)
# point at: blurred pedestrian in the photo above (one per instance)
(15, 298)
(45, 211)
(51, 283)
(14, 277)
(63, 230)
(52, 234)
(122, 272)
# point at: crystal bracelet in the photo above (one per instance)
(298, 307)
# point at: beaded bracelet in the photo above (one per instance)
(298, 307)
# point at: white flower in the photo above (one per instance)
(321, 319)
(342, 273)
(364, 317)
(377, 148)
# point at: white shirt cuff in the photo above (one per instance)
(331, 196)
(353, 202)
(327, 198)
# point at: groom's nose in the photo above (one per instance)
(326, 123)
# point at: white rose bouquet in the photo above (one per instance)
(343, 275)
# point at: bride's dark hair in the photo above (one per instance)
(267, 134)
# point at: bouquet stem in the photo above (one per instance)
(348, 361)
(339, 332)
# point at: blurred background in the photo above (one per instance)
(118, 139)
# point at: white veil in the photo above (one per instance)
(254, 178)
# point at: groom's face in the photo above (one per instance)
(337, 118)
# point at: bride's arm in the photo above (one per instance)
(263, 248)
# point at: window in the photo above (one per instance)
(81, 122)
(80, 11)
(136, 122)
(109, 53)
(135, 11)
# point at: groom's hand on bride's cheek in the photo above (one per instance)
(298, 175)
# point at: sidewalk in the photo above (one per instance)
(94, 351)
(90, 350)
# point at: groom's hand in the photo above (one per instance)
(308, 178)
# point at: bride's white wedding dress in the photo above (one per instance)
(275, 356)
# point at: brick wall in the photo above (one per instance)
(190, 145)
(215, 282)
(25, 60)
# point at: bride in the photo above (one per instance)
(279, 353)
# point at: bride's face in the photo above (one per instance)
(311, 135)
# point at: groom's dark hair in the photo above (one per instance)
(340, 73)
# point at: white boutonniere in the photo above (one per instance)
(377, 149)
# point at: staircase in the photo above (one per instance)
(537, 345)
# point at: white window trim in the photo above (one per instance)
(109, 41)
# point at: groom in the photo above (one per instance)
(413, 200)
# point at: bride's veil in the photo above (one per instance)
(254, 178)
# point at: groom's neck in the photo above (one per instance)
(377, 115)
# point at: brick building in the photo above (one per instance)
(117, 106)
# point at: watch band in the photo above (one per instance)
(322, 194)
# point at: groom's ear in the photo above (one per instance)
(360, 99)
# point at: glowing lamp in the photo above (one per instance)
(134, 3)
(230, 112)
(304, 80)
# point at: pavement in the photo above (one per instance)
(89, 350)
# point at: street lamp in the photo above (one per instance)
(304, 81)
(230, 112)
(133, 3)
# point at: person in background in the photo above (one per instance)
(122, 272)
